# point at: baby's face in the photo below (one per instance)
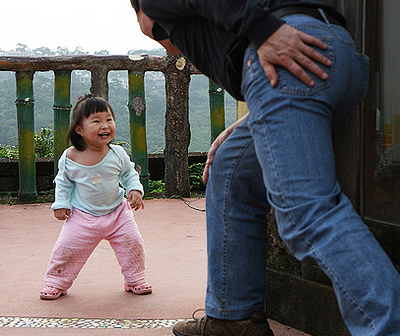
(98, 129)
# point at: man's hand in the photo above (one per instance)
(217, 143)
(292, 49)
(211, 153)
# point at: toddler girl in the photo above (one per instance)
(89, 198)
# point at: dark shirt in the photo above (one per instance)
(213, 34)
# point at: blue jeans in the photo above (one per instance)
(282, 156)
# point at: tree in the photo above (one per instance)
(22, 47)
(102, 52)
(80, 51)
(43, 51)
(62, 51)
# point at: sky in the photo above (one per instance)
(94, 25)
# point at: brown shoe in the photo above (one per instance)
(255, 325)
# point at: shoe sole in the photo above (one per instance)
(177, 333)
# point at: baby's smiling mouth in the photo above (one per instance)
(104, 134)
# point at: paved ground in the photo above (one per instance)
(96, 304)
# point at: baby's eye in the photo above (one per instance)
(110, 119)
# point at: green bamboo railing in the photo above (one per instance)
(217, 110)
(137, 120)
(26, 131)
(62, 109)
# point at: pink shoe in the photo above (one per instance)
(51, 293)
(141, 289)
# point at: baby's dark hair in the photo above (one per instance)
(135, 5)
(84, 107)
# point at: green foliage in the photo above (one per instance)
(8, 151)
(46, 192)
(195, 180)
(44, 142)
(8, 198)
(195, 177)
(125, 145)
(156, 187)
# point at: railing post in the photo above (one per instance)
(26, 133)
(177, 127)
(241, 109)
(137, 119)
(217, 109)
(100, 82)
(62, 109)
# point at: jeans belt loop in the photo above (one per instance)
(321, 11)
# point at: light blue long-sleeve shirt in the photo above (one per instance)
(95, 189)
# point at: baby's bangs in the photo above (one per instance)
(94, 105)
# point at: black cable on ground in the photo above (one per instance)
(191, 206)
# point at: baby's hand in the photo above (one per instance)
(135, 200)
(62, 214)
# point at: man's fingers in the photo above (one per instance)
(309, 57)
(270, 72)
(316, 56)
(205, 174)
(297, 65)
(312, 40)
(297, 52)
(300, 73)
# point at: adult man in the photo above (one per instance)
(295, 65)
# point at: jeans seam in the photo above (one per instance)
(265, 130)
(226, 222)
(339, 284)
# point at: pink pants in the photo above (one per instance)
(80, 235)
